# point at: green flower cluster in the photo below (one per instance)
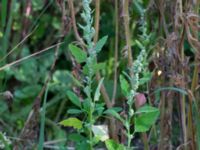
(88, 29)
(138, 66)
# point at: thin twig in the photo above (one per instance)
(98, 76)
(97, 19)
(127, 34)
(116, 51)
(71, 6)
(29, 56)
(112, 124)
(12, 50)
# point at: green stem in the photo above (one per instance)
(90, 115)
(128, 126)
(90, 127)
(129, 141)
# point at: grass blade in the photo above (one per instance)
(42, 123)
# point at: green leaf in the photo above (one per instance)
(113, 113)
(180, 90)
(117, 109)
(146, 109)
(139, 44)
(76, 137)
(146, 76)
(72, 122)
(74, 111)
(97, 92)
(78, 54)
(86, 105)
(27, 92)
(62, 77)
(148, 116)
(37, 5)
(113, 145)
(138, 7)
(95, 66)
(98, 112)
(74, 98)
(100, 44)
(124, 85)
(98, 66)
(87, 90)
(99, 108)
(83, 145)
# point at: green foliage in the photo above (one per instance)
(113, 113)
(98, 47)
(4, 142)
(42, 122)
(124, 85)
(37, 5)
(74, 111)
(97, 92)
(113, 145)
(74, 98)
(145, 118)
(79, 54)
(72, 122)
(26, 27)
(4, 12)
(27, 92)
(146, 109)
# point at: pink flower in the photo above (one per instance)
(140, 100)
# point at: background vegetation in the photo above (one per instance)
(135, 78)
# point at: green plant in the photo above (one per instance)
(4, 141)
(90, 107)
(145, 116)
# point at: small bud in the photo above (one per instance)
(140, 100)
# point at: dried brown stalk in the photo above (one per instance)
(109, 104)
(77, 35)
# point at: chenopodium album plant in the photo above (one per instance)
(145, 116)
(90, 107)
(4, 141)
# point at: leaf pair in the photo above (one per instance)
(81, 55)
(145, 117)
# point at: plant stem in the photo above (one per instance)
(90, 115)
(183, 113)
(97, 18)
(90, 128)
(109, 104)
(127, 34)
(71, 6)
(130, 62)
(162, 119)
(42, 123)
(116, 51)
(129, 130)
